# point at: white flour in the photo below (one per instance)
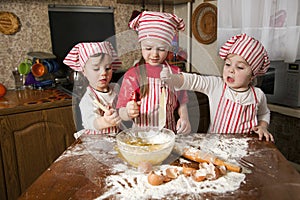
(131, 183)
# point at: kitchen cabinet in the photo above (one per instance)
(36, 127)
(285, 129)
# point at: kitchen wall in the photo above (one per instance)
(34, 34)
(205, 58)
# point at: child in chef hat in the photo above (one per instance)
(96, 61)
(236, 106)
(155, 33)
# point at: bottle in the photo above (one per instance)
(18, 79)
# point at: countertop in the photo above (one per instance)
(18, 101)
(92, 169)
(289, 111)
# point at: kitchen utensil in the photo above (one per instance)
(201, 156)
(249, 165)
(104, 108)
(24, 67)
(41, 55)
(19, 79)
(97, 103)
(162, 106)
(51, 65)
(38, 69)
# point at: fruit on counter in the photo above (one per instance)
(2, 90)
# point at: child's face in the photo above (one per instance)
(237, 73)
(154, 51)
(98, 71)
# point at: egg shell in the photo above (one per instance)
(155, 179)
(186, 170)
(172, 173)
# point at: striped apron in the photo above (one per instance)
(149, 109)
(232, 117)
(113, 129)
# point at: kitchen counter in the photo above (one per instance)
(17, 101)
(292, 112)
(92, 169)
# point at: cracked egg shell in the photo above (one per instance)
(222, 169)
(199, 175)
(187, 171)
(172, 173)
(155, 179)
(213, 174)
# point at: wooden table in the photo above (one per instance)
(81, 172)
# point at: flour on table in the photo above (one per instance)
(128, 182)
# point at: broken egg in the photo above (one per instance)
(172, 173)
(199, 175)
(186, 170)
(155, 179)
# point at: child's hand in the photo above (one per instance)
(133, 109)
(183, 126)
(112, 117)
(165, 74)
(263, 132)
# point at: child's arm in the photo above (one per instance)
(183, 124)
(262, 130)
(172, 79)
(109, 119)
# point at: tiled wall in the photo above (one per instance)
(34, 34)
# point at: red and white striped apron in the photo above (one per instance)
(232, 117)
(113, 129)
(150, 106)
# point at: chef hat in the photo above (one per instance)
(81, 52)
(157, 25)
(250, 49)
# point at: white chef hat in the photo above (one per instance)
(81, 52)
(157, 25)
(250, 49)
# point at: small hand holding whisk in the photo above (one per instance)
(133, 106)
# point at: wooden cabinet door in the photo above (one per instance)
(37, 139)
(2, 177)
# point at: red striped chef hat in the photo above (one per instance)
(250, 49)
(157, 25)
(81, 52)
